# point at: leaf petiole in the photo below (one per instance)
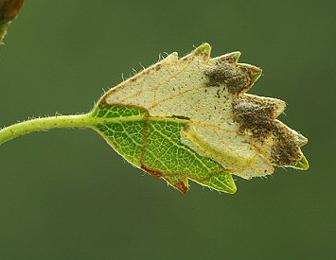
(88, 120)
(44, 124)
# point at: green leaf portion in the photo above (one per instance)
(126, 134)
(108, 111)
(165, 154)
(126, 138)
(154, 145)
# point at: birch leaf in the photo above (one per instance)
(190, 118)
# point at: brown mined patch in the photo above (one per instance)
(9, 9)
(255, 115)
(182, 187)
(151, 171)
(230, 59)
(257, 120)
(286, 150)
(235, 78)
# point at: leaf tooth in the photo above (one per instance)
(253, 71)
(182, 185)
(256, 71)
(276, 106)
(173, 57)
(303, 164)
(302, 140)
(232, 188)
(221, 182)
(231, 57)
(203, 51)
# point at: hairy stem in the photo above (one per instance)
(44, 124)
(70, 121)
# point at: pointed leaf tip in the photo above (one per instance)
(202, 50)
(254, 71)
(302, 140)
(234, 56)
(223, 183)
(204, 47)
(278, 105)
(171, 57)
(303, 164)
(182, 186)
(231, 57)
(232, 188)
(257, 74)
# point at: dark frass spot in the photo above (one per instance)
(134, 79)
(158, 67)
(235, 78)
(180, 117)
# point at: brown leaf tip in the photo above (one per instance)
(9, 9)
(237, 79)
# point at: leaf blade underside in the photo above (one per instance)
(191, 119)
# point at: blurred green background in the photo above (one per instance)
(66, 194)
